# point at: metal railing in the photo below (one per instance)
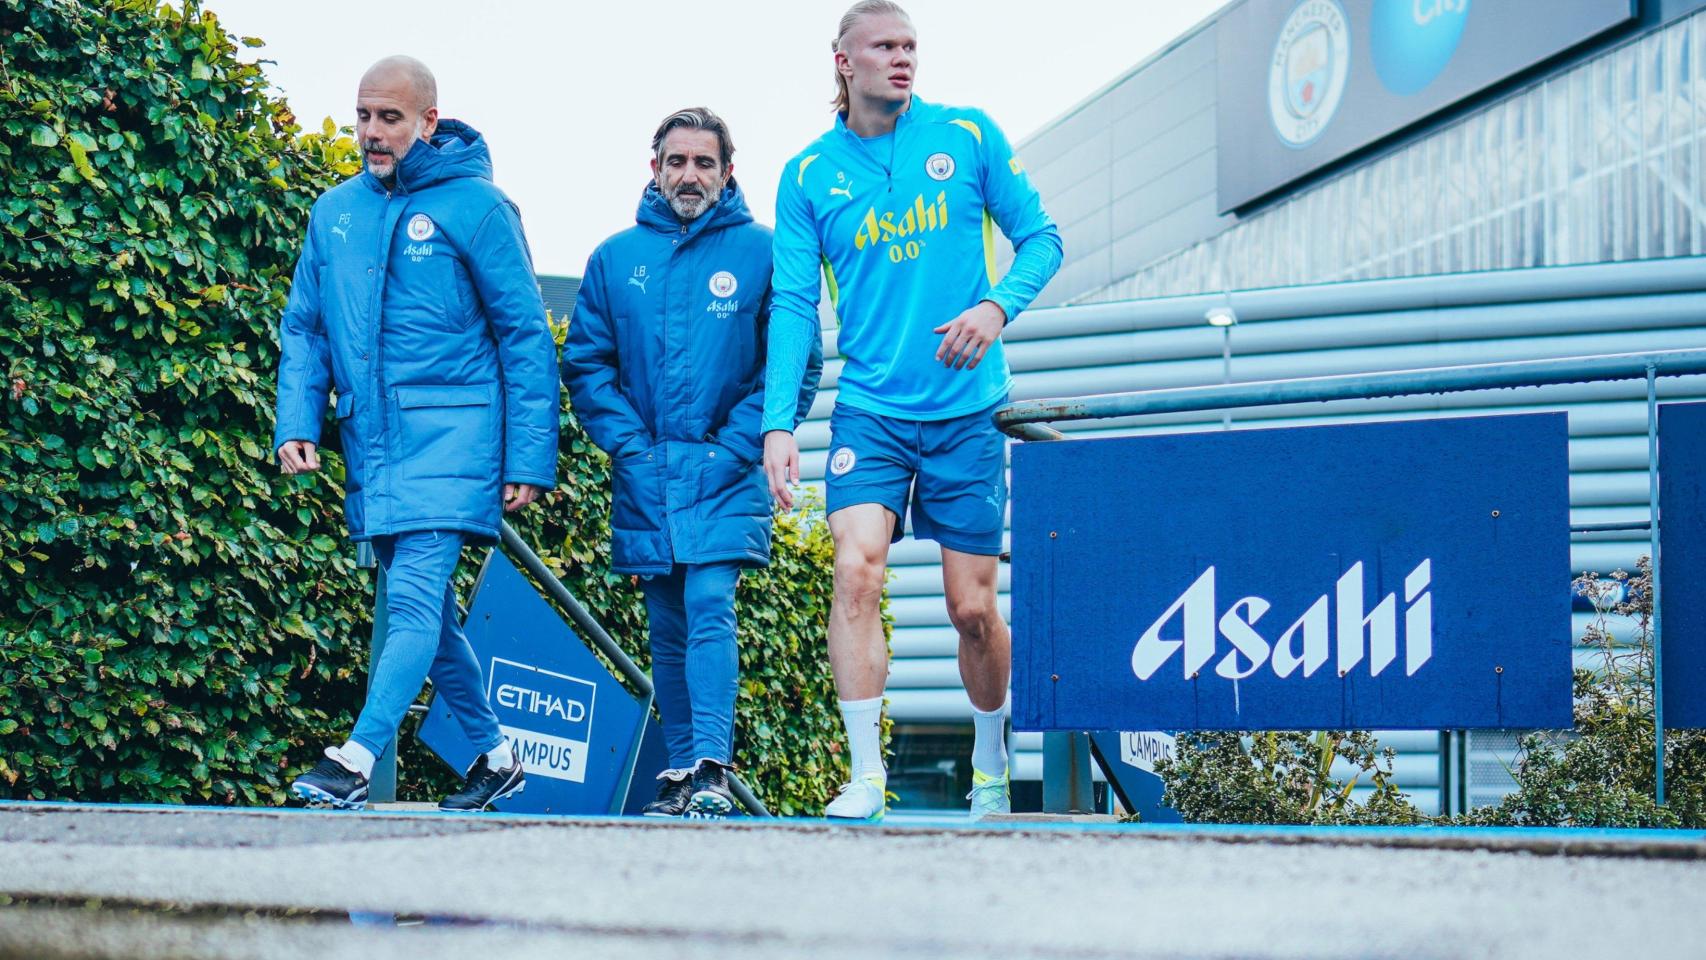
(1066, 784)
(383, 785)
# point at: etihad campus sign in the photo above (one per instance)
(577, 731)
(1407, 575)
(1305, 643)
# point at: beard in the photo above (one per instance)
(388, 169)
(688, 203)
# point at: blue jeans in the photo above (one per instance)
(423, 639)
(695, 663)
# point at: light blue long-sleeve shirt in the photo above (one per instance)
(903, 230)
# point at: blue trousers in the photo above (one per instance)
(695, 663)
(423, 639)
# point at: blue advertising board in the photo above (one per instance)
(1305, 82)
(1682, 561)
(576, 729)
(1386, 575)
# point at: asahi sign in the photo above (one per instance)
(1392, 575)
(1305, 645)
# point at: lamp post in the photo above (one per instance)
(1224, 318)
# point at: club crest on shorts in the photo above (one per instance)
(723, 284)
(940, 166)
(842, 461)
(421, 227)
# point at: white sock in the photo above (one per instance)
(502, 756)
(358, 758)
(864, 720)
(989, 740)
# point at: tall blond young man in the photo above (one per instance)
(897, 205)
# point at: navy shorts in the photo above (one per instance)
(952, 473)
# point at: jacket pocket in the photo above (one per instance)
(636, 501)
(730, 486)
(447, 431)
(467, 299)
(350, 439)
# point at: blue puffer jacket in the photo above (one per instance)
(419, 307)
(665, 366)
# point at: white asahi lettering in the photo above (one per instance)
(1357, 632)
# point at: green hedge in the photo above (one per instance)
(179, 623)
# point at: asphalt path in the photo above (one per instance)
(81, 883)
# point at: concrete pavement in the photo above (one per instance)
(263, 883)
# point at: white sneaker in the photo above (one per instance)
(989, 794)
(866, 798)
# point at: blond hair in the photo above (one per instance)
(849, 20)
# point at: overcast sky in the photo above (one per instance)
(568, 94)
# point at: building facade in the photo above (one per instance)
(1525, 188)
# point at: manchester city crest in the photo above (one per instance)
(723, 284)
(842, 461)
(939, 166)
(421, 227)
(1306, 80)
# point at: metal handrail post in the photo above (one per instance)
(600, 638)
(1653, 583)
(582, 618)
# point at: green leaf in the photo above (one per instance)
(44, 136)
(80, 159)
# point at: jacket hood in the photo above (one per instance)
(456, 150)
(730, 210)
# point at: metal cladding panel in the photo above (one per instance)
(1418, 562)
(1682, 561)
(574, 726)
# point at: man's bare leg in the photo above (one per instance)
(986, 655)
(856, 651)
(857, 654)
(986, 648)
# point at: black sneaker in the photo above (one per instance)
(485, 787)
(673, 793)
(711, 798)
(331, 784)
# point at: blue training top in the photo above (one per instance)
(904, 231)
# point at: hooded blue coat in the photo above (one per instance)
(419, 307)
(665, 367)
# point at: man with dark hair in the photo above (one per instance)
(415, 301)
(897, 204)
(665, 366)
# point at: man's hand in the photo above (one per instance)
(781, 465)
(518, 495)
(298, 456)
(967, 337)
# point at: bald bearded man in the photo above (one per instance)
(415, 302)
